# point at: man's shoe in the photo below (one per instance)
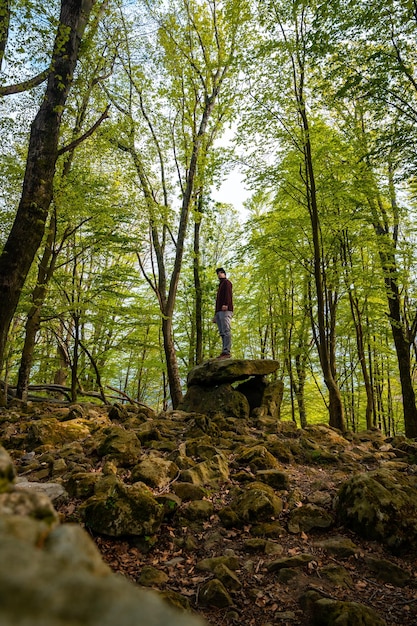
(224, 355)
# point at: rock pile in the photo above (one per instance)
(52, 574)
(243, 519)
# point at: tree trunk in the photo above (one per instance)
(45, 272)
(336, 413)
(29, 225)
(197, 285)
(4, 27)
(402, 347)
(400, 332)
(172, 363)
(360, 344)
(75, 358)
(300, 364)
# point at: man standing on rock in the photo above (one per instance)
(224, 312)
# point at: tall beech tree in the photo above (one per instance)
(377, 76)
(29, 225)
(288, 51)
(196, 62)
(53, 247)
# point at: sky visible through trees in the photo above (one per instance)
(276, 139)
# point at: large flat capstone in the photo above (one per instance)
(217, 372)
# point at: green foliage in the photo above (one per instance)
(119, 194)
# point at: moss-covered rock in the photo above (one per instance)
(278, 479)
(227, 577)
(210, 564)
(119, 444)
(211, 400)
(151, 576)
(214, 593)
(197, 510)
(63, 581)
(299, 560)
(338, 575)
(7, 471)
(328, 612)
(387, 571)
(309, 517)
(189, 491)
(257, 458)
(30, 504)
(212, 472)
(381, 505)
(340, 547)
(155, 472)
(123, 509)
(49, 431)
(81, 484)
(256, 502)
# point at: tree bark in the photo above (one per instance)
(402, 347)
(33, 322)
(29, 225)
(174, 381)
(197, 284)
(4, 27)
(401, 333)
(336, 412)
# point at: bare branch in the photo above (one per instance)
(76, 142)
(9, 90)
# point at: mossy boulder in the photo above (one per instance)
(255, 503)
(218, 372)
(31, 504)
(81, 484)
(214, 593)
(257, 458)
(212, 563)
(299, 560)
(120, 445)
(329, 612)
(211, 472)
(118, 509)
(381, 505)
(340, 547)
(338, 575)
(387, 571)
(62, 580)
(197, 510)
(152, 577)
(7, 471)
(50, 431)
(155, 472)
(189, 491)
(212, 400)
(309, 517)
(278, 479)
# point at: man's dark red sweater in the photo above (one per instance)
(224, 295)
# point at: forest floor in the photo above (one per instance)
(262, 600)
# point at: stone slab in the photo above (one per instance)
(217, 371)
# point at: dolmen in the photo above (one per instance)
(234, 388)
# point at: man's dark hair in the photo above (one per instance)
(220, 269)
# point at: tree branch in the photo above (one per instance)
(76, 142)
(8, 90)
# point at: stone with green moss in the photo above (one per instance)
(120, 445)
(7, 471)
(123, 510)
(214, 593)
(381, 505)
